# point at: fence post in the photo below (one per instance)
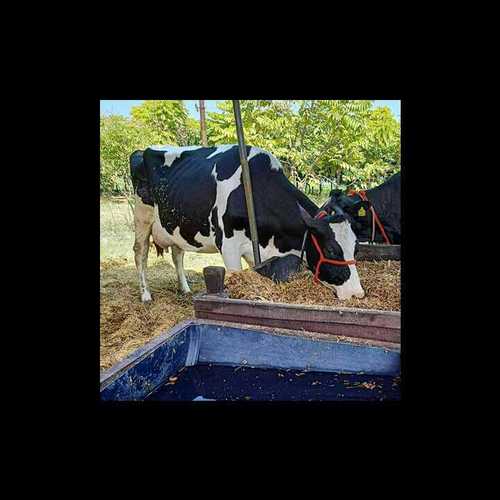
(247, 182)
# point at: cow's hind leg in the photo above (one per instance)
(178, 259)
(143, 221)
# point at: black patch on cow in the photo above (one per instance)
(216, 228)
(185, 192)
(228, 162)
(275, 202)
(139, 177)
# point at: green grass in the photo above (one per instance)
(117, 237)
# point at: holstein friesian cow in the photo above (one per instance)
(385, 200)
(192, 199)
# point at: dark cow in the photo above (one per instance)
(192, 199)
(385, 199)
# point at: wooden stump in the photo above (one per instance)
(214, 279)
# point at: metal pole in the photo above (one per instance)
(247, 182)
(203, 125)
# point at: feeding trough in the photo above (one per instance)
(368, 324)
(201, 360)
(381, 326)
(374, 251)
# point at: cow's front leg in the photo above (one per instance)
(178, 259)
(249, 259)
(232, 257)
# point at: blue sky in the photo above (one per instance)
(123, 107)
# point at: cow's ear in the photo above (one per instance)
(316, 226)
(308, 220)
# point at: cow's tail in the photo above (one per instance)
(136, 168)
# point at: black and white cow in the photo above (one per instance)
(192, 199)
(385, 199)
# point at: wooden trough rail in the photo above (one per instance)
(369, 251)
(384, 326)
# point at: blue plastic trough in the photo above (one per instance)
(220, 343)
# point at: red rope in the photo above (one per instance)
(376, 220)
(322, 258)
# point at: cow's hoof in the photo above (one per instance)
(146, 298)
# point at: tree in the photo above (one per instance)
(168, 119)
(346, 141)
(119, 138)
(343, 140)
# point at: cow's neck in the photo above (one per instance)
(381, 199)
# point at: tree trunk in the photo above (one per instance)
(203, 124)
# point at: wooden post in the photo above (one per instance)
(203, 124)
(214, 279)
(247, 182)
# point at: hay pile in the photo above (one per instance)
(380, 280)
(125, 322)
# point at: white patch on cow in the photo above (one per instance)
(160, 235)
(173, 152)
(178, 260)
(208, 242)
(233, 248)
(241, 246)
(271, 250)
(221, 149)
(275, 163)
(347, 240)
(164, 239)
(224, 189)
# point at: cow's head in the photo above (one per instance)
(338, 242)
(357, 210)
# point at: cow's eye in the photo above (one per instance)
(330, 250)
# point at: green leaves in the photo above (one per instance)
(119, 137)
(345, 140)
(167, 119)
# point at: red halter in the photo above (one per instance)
(375, 219)
(322, 258)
